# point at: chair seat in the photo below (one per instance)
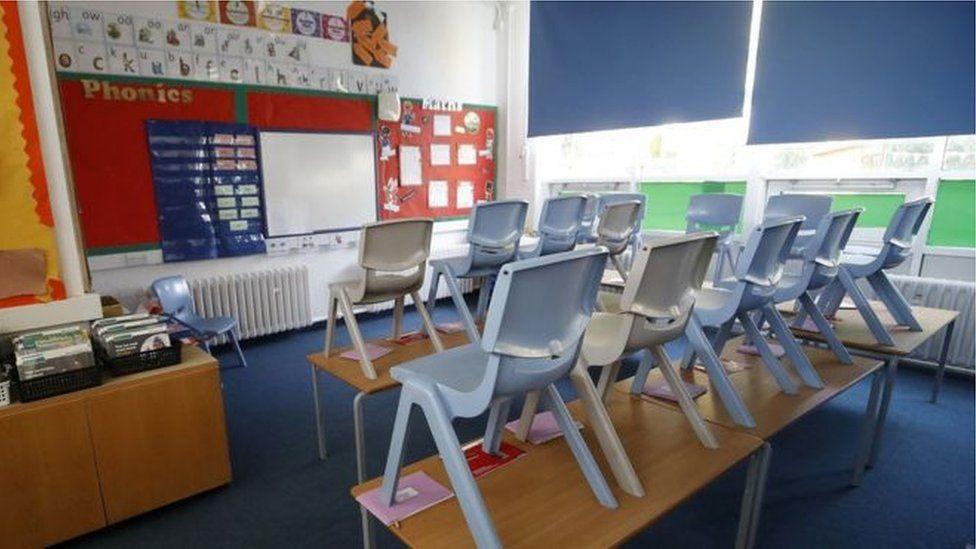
(605, 337)
(710, 301)
(213, 325)
(461, 368)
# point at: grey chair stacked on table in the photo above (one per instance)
(494, 230)
(393, 258)
(813, 207)
(588, 218)
(539, 311)
(608, 200)
(618, 226)
(757, 277)
(716, 212)
(871, 265)
(559, 226)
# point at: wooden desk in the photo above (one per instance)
(76, 462)
(541, 499)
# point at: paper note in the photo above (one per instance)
(442, 125)
(467, 155)
(437, 194)
(481, 463)
(465, 195)
(410, 174)
(440, 155)
(416, 492)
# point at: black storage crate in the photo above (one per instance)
(59, 384)
(148, 360)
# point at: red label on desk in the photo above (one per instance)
(409, 337)
(481, 463)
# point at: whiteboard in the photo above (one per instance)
(316, 182)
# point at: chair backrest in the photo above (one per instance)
(173, 293)
(394, 254)
(494, 230)
(822, 257)
(609, 199)
(766, 251)
(718, 212)
(902, 229)
(560, 223)
(811, 206)
(539, 310)
(665, 278)
(619, 223)
(587, 218)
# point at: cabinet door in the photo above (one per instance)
(48, 484)
(159, 441)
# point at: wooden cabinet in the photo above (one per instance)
(74, 463)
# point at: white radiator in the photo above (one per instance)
(944, 294)
(263, 302)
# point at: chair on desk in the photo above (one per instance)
(587, 219)
(811, 206)
(393, 262)
(872, 264)
(173, 293)
(618, 226)
(559, 226)
(494, 231)
(539, 311)
(757, 276)
(716, 212)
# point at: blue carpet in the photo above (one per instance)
(920, 494)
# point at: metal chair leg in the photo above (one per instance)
(319, 424)
(943, 356)
(237, 348)
(684, 398)
(769, 360)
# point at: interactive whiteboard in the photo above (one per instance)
(317, 182)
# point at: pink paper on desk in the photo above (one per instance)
(544, 428)
(808, 325)
(731, 366)
(415, 492)
(373, 351)
(451, 327)
(777, 349)
(661, 390)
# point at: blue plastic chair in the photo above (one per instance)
(811, 206)
(540, 309)
(896, 249)
(559, 225)
(821, 264)
(720, 213)
(617, 229)
(494, 231)
(587, 219)
(173, 293)
(757, 276)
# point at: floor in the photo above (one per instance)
(921, 494)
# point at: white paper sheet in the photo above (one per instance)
(410, 174)
(437, 194)
(465, 195)
(440, 155)
(467, 155)
(442, 125)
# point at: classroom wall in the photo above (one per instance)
(447, 50)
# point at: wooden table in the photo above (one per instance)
(542, 499)
(351, 373)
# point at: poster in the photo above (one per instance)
(306, 23)
(371, 46)
(274, 17)
(197, 10)
(237, 12)
(335, 28)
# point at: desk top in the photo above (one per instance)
(542, 499)
(351, 372)
(853, 331)
(772, 409)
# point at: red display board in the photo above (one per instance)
(470, 127)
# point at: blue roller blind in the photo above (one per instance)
(861, 70)
(608, 65)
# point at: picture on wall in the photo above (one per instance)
(371, 46)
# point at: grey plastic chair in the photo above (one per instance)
(716, 212)
(539, 311)
(393, 257)
(587, 219)
(618, 226)
(811, 206)
(494, 230)
(559, 226)
(896, 249)
(757, 276)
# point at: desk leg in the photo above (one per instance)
(886, 397)
(946, 340)
(369, 533)
(752, 496)
(867, 428)
(319, 427)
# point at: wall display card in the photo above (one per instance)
(149, 32)
(118, 29)
(465, 195)
(437, 194)
(335, 27)
(440, 154)
(198, 10)
(306, 23)
(274, 17)
(238, 12)
(203, 38)
(152, 63)
(87, 24)
(176, 34)
(467, 155)
(410, 167)
(442, 125)
(123, 60)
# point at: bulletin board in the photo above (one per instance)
(454, 146)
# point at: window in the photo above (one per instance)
(878, 207)
(667, 202)
(854, 157)
(954, 218)
(960, 153)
